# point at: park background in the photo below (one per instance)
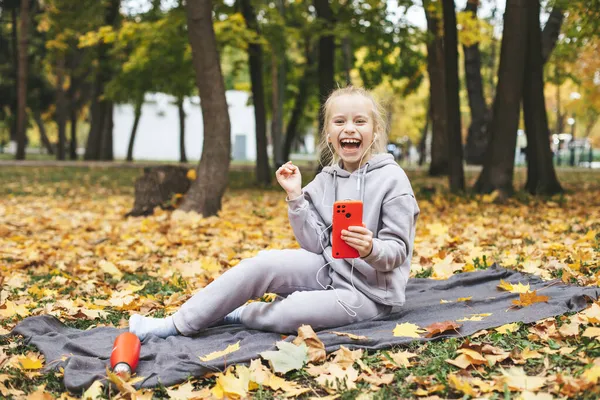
(493, 109)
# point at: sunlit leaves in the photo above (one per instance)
(407, 329)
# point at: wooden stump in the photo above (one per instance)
(157, 188)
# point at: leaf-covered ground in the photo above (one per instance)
(66, 250)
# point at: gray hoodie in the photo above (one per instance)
(389, 210)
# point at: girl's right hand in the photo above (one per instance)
(288, 176)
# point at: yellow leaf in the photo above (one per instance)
(350, 335)
(191, 174)
(110, 268)
(408, 330)
(592, 374)
(514, 288)
(517, 379)
(526, 354)
(217, 354)
(228, 385)
(460, 385)
(464, 299)
(9, 309)
(591, 332)
(508, 328)
(474, 317)
(31, 361)
(93, 392)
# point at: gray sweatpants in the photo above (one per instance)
(289, 273)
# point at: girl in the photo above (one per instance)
(317, 289)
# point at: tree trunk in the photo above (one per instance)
(347, 49)
(207, 190)
(276, 111)
(15, 59)
(299, 101)
(138, 114)
(106, 152)
(326, 67)
(94, 140)
(98, 146)
(61, 107)
(37, 116)
(22, 80)
(73, 141)
(279, 62)
(551, 32)
(541, 177)
(477, 138)
(182, 156)
(437, 93)
(455, 150)
(423, 141)
(255, 53)
(497, 173)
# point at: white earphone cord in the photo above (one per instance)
(348, 308)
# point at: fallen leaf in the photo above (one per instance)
(461, 385)
(316, 348)
(474, 317)
(527, 395)
(186, 391)
(287, 358)
(93, 392)
(517, 379)
(218, 354)
(110, 269)
(40, 393)
(30, 361)
(464, 299)
(441, 327)
(529, 298)
(350, 335)
(514, 288)
(346, 357)
(229, 385)
(591, 332)
(408, 330)
(336, 377)
(508, 328)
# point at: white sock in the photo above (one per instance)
(234, 317)
(143, 326)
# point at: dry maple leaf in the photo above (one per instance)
(513, 288)
(441, 327)
(408, 330)
(529, 298)
(316, 348)
(350, 335)
(508, 328)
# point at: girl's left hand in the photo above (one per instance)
(359, 238)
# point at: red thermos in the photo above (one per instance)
(125, 354)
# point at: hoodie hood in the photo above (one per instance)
(374, 163)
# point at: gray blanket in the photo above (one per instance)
(173, 360)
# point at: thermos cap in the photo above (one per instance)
(123, 370)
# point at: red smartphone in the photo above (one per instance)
(345, 213)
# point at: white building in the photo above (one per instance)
(157, 135)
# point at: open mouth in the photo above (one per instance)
(350, 144)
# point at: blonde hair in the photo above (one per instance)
(379, 124)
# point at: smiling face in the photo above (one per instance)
(350, 128)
